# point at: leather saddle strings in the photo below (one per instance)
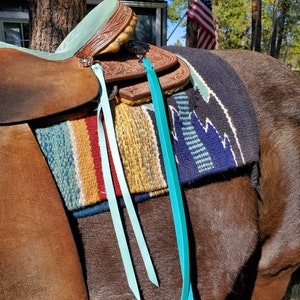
(104, 107)
(172, 179)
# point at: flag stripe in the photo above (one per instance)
(205, 15)
(194, 15)
(200, 12)
(205, 40)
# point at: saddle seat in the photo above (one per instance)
(36, 84)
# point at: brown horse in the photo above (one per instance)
(242, 244)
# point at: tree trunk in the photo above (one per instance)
(281, 26)
(278, 27)
(272, 42)
(51, 21)
(191, 33)
(256, 25)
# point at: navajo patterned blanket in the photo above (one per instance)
(212, 125)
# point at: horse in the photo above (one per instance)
(240, 239)
(244, 243)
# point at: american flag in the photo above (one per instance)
(201, 12)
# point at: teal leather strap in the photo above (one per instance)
(172, 179)
(104, 106)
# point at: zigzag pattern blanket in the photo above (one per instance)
(213, 129)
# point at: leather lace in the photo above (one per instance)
(172, 180)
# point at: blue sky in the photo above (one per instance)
(179, 33)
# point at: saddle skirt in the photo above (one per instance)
(128, 72)
(213, 129)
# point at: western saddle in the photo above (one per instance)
(36, 84)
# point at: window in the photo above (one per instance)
(16, 33)
(152, 24)
(14, 22)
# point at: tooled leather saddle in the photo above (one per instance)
(36, 84)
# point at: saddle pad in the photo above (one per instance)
(213, 129)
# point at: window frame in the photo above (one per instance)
(14, 17)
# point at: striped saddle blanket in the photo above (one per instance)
(212, 126)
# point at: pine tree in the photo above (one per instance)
(51, 21)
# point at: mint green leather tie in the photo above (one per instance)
(172, 179)
(111, 196)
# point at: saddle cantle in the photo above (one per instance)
(104, 29)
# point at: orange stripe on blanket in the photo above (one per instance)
(88, 180)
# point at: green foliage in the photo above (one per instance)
(176, 9)
(178, 43)
(290, 51)
(233, 22)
